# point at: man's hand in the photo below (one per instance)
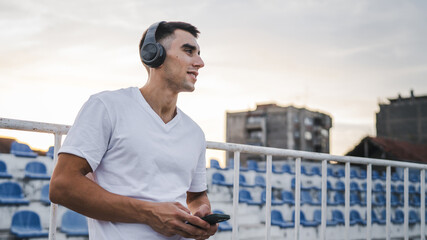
(204, 210)
(170, 218)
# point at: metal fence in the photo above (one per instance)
(60, 130)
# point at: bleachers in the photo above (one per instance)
(283, 201)
(24, 200)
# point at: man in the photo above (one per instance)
(146, 156)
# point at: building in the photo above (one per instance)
(404, 119)
(271, 125)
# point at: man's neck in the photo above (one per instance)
(161, 100)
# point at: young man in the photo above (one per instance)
(146, 156)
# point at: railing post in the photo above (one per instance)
(388, 195)
(423, 207)
(235, 231)
(53, 206)
(269, 169)
(406, 202)
(368, 201)
(297, 196)
(347, 200)
(324, 198)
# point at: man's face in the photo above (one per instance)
(182, 61)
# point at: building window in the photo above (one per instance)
(308, 136)
(255, 119)
(255, 134)
(308, 121)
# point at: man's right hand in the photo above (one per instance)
(170, 218)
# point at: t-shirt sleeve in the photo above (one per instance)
(89, 136)
(198, 183)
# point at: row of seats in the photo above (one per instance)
(23, 150)
(338, 218)
(26, 224)
(252, 165)
(11, 194)
(33, 170)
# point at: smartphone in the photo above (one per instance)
(216, 218)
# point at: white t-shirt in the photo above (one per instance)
(133, 153)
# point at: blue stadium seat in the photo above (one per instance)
(74, 224)
(413, 217)
(219, 179)
(395, 201)
(243, 183)
(274, 202)
(355, 218)
(305, 172)
(375, 175)
(26, 224)
(11, 194)
(36, 170)
(287, 169)
(339, 186)
(22, 150)
(330, 172)
(340, 173)
(45, 195)
(375, 219)
(378, 200)
(355, 199)
(414, 200)
(317, 216)
(253, 165)
(363, 174)
(215, 164)
(304, 221)
(412, 189)
(288, 197)
(378, 188)
(3, 170)
(398, 219)
(316, 171)
(400, 188)
(354, 187)
(260, 181)
(245, 197)
(307, 199)
(414, 177)
(338, 217)
(277, 220)
(223, 226)
(339, 199)
(395, 177)
(50, 152)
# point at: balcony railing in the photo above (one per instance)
(237, 149)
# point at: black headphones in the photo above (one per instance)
(152, 53)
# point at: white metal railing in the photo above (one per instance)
(59, 130)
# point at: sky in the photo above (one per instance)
(341, 58)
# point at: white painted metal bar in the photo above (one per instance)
(297, 197)
(269, 169)
(423, 205)
(235, 230)
(324, 199)
(388, 192)
(347, 200)
(369, 202)
(53, 206)
(406, 203)
(32, 126)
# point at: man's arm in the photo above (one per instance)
(71, 188)
(199, 205)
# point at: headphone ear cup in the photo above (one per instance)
(153, 54)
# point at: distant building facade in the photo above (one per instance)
(404, 119)
(271, 125)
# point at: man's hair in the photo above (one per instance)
(166, 29)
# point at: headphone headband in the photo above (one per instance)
(152, 53)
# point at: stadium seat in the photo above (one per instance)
(339, 186)
(307, 199)
(215, 164)
(243, 183)
(355, 200)
(36, 170)
(317, 216)
(330, 172)
(377, 220)
(413, 177)
(219, 179)
(339, 199)
(45, 195)
(378, 188)
(245, 197)
(22, 150)
(362, 174)
(375, 175)
(277, 220)
(316, 171)
(304, 221)
(288, 197)
(260, 181)
(287, 169)
(414, 200)
(50, 152)
(413, 217)
(223, 226)
(305, 172)
(26, 224)
(11, 194)
(412, 189)
(354, 187)
(340, 173)
(274, 202)
(395, 201)
(395, 177)
(253, 165)
(400, 188)
(378, 200)
(398, 219)
(355, 218)
(3, 170)
(338, 217)
(74, 224)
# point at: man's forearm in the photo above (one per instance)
(196, 200)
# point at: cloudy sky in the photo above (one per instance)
(338, 57)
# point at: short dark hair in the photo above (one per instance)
(165, 29)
